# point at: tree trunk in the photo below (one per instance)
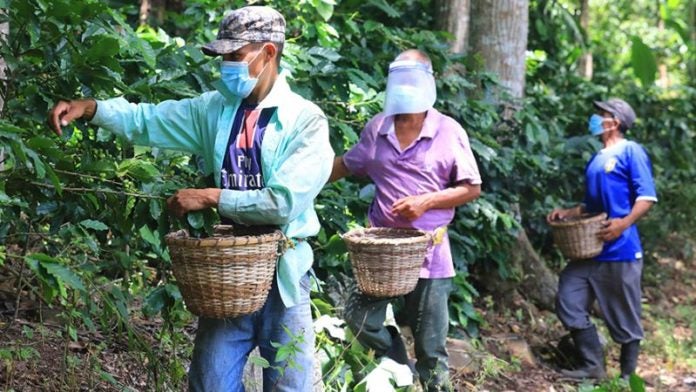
(692, 44)
(144, 14)
(663, 80)
(453, 16)
(499, 36)
(4, 38)
(585, 66)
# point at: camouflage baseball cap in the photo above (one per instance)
(246, 25)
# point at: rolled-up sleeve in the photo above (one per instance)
(290, 190)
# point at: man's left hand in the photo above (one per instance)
(186, 200)
(612, 229)
(411, 207)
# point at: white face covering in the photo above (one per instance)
(410, 88)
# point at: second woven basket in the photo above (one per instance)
(386, 262)
(577, 238)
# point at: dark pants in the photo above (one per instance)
(615, 286)
(426, 313)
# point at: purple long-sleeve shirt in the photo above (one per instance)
(439, 158)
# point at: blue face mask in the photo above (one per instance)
(595, 125)
(235, 75)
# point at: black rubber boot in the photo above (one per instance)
(591, 355)
(629, 358)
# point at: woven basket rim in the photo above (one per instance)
(582, 221)
(355, 236)
(181, 238)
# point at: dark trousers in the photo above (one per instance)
(427, 314)
(615, 286)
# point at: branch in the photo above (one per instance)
(87, 176)
(106, 191)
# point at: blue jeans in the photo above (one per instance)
(222, 347)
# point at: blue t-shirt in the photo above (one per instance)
(241, 167)
(616, 177)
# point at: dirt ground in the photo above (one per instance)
(517, 350)
(527, 339)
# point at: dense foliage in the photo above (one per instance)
(85, 212)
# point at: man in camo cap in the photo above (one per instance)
(269, 152)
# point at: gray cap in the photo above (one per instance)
(619, 109)
(246, 25)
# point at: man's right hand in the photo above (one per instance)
(560, 214)
(63, 113)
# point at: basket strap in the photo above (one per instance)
(288, 243)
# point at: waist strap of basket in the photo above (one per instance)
(439, 234)
(291, 243)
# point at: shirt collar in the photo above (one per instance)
(429, 125)
(280, 95)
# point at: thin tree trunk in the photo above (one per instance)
(144, 12)
(4, 39)
(692, 27)
(453, 16)
(499, 36)
(663, 80)
(585, 66)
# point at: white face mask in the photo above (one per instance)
(410, 88)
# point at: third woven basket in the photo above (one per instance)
(224, 275)
(577, 237)
(386, 262)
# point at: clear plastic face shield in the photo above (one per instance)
(410, 88)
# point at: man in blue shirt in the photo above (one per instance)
(269, 152)
(619, 182)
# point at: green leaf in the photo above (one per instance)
(384, 6)
(195, 219)
(94, 225)
(155, 208)
(147, 235)
(104, 46)
(259, 361)
(155, 301)
(64, 274)
(643, 61)
(637, 384)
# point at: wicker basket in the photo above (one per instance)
(577, 238)
(224, 275)
(386, 262)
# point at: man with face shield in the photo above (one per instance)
(618, 181)
(422, 166)
(268, 150)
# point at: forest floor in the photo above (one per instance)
(517, 349)
(525, 341)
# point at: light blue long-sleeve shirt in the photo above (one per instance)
(296, 159)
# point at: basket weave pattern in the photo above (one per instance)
(224, 276)
(386, 262)
(578, 238)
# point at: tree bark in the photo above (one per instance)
(4, 38)
(144, 14)
(692, 34)
(499, 36)
(663, 76)
(585, 66)
(453, 16)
